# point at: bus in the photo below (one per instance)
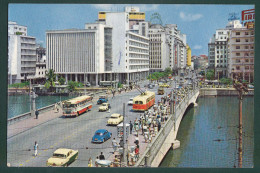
(76, 106)
(144, 101)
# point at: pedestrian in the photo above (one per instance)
(36, 113)
(115, 145)
(35, 148)
(109, 107)
(131, 127)
(96, 161)
(159, 126)
(101, 156)
(136, 140)
(137, 152)
(90, 162)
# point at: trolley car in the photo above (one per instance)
(143, 101)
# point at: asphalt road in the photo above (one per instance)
(75, 133)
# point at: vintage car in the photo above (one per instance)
(130, 102)
(115, 119)
(62, 157)
(160, 91)
(101, 135)
(164, 85)
(104, 107)
(102, 99)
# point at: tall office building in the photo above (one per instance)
(21, 53)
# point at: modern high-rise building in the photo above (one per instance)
(103, 51)
(21, 53)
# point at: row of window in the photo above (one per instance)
(139, 61)
(246, 33)
(245, 54)
(246, 67)
(238, 40)
(138, 50)
(221, 61)
(138, 38)
(20, 29)
(246, 47)
(133, 55)
(138, 44)
(132, 67)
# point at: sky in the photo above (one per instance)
(198, 22)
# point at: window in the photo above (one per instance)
(246, 33)
(252, 33)
(237, 47)
(247, 67)
(246, 47)
(246, 40)
(237, 33)
(217, 61)
(237, 54)
(246, 60)
(237, 40)
(237, 67)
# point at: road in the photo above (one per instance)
(75, 133)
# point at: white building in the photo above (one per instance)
(40, 74)
(21, 53)
(78, 55)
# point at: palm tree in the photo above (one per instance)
(50, 79)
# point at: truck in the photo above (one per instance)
(102, 99)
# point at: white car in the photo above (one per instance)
(130, 102)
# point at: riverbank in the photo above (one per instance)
(222, 92)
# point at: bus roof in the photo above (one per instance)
(78, 99)
(144, 96)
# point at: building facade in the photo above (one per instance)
(241, 53)
(21, 54)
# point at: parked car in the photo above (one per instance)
(104, 107)
(62, 157)
(130, 102)
(88, 84)
(102, 99)
(164, 85)
(101, 136)
(115, 119)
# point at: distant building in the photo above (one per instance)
(21, 54)
(40, 74)
(188, 55)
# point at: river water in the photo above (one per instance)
(214, 118)
(20, 104)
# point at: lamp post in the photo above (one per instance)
(240, 87)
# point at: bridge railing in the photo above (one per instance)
(153, 148)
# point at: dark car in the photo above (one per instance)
(101, 136)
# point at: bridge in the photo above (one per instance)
(166, 138)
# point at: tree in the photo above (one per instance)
(61, 80)
(167, 71)
(71, 86)
(210, 75)
(50, 79)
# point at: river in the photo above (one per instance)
(214, 119)
(20, 104)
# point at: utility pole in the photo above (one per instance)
(240, 88)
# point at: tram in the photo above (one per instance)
(144, 101)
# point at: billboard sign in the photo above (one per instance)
(248, 18)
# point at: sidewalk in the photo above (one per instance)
(31, 122)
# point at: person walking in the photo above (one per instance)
(35, 148)
(96, 162)
(131, 127)
(36, 113)
(101, 156)
(90, 162)
(159, 126)
(115, 145)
